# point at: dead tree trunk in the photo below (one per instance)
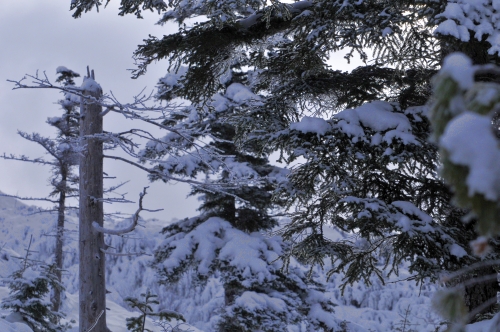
(92, 270)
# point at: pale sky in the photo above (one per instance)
(42, 35)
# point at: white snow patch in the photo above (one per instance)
(378, 116)
(386, 32)
(470, 142)
(172, 79)
(64, 147)
(405, 223)
(311, 125)
(453, 11)
(90, 85)
(6, 326)
(457, 251)
(478, 16)
(61, 69)
(260, 302)
(459, 67)
(240, 93)
(219, 103)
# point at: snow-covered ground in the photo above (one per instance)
(391, 307)
(127, 276)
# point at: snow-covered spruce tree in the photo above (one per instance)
(224, 240)
(29, 291)
(63, 180)
(368, 170)
(244, 206)
(30, 287)
(258, 294)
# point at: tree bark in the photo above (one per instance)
(92, 269)
(59, 256)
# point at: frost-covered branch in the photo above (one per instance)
(27, 159)
(136, 110)
(30, 198)
(108, 102)
(155, 172)
(183, 146)
(132, 226)
(48, 144)
(112, 190)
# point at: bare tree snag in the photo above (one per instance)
(92, 269)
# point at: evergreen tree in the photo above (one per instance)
(63, 180)
(246, 207)
(368, 170)
(138, 324)
(29, 290)
(224, 240)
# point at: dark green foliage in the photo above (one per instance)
(29, 290)
(249, 211)
(64, 179)
(293, 288)
(384, 195)
(138, 324)
(244, 174)
(341, 181)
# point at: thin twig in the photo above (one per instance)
(95, 323)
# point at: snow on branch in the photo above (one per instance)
(195, 149)
(257, 25)
(155, 172)
(287, 11)
(27, 159)
(108, 102)
(136, 110)
(21, 198)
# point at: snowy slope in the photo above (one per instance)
(19, 222)
(364, 308)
